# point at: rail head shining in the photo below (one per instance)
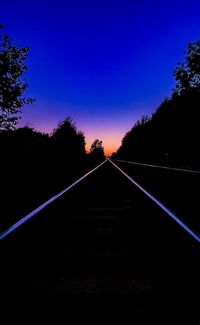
(158, 166)
(161, 205)
(19, 223)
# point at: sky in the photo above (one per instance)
(104, 63)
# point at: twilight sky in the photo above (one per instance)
(105, 63)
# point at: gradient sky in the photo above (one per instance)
(104, 63)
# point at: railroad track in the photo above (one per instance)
(104, 237)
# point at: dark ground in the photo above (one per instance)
(106, 253)
(26, 186)
(178, 190)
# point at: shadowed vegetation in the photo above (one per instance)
(12, 81)
(96, 151)
(35, 166)
(171, 135)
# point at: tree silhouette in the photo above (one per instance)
(187, 74)
(171, 135)
(97, 150)
(12, 82)
(68, 144)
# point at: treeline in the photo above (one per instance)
(171, 135)
(26, 146)
(35, 166)
(65, 147)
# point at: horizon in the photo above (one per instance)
(112, 135)
(105, 64)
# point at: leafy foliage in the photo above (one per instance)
(187, 74)
(12, 82)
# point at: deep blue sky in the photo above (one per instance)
(104, 63)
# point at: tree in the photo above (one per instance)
(187, 74)
(68, 144)
(12, 82)
(171, 135)
(97, 150)
(96, 146)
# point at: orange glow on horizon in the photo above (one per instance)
(107, 150)
(109, 128)
(111, 134)
(110, 137)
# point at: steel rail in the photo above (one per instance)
(41, 207)
(158, 166)
(161, 205)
